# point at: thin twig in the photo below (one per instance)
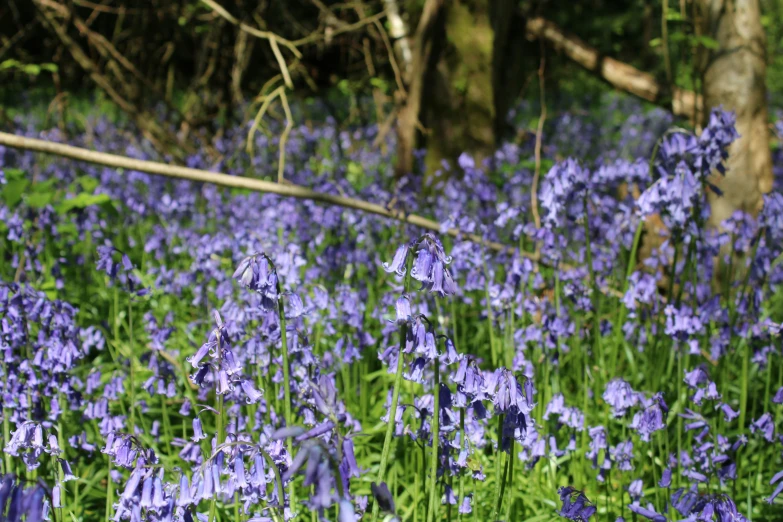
(392, 59)
(539, 133)
(339, 30)
(289, 124)
(17, 37)
(260, 115)
(266, 35)
(281, 63)
(106, 9)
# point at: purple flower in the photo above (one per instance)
(383, 497)
(18, 501)
(403, 308)
(257, 273)
(778, 489)
(778, 398)
(563, 187)
(398, 264)
(465, 506)
(666, 478)
(647, 512)
(766, 425)
(649, 420)
(620, 396)
(430, 267)
(575, 506)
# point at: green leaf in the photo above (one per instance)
(356, 176)
(32, 69)
(88, 183)
(39, 199)
(8, 64)
(707, 42)
(68, 230)
(82, 200)
(44, 186)
(378, 83)
(13, 174)
(12, 193)
(674, 16)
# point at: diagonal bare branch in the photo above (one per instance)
(618, 74)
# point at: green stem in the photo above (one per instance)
(387, 440)
(679, 409)
(6, 430)
(433, 485)
(61, 443)
(596, 295)
(109, 491)
(218, 426)
(490, 327)
(289, 420)
(622, 311)
(502, 490)
(132, 383)
(655, 478)
(499, 468)
(454, 337)
(744, 390)
(510, 478)
(462, 445)
(392, 415)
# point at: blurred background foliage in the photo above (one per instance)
(206, 71)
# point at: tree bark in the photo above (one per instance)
(408, 120)
(734, 77)
(466, 57)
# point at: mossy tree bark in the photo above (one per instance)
(468, 67)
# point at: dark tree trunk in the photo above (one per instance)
(466, 63)
(734, 77)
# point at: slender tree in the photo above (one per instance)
(734, 76)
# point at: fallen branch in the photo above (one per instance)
(618, 74)
(225, 180)
(257, 185)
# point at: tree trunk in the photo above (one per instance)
(734, 77)
(466, 58)
(408, 120)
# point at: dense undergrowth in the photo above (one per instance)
(175, 351)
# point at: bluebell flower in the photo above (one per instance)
(636, 490)
(430, 267)
(765, 425)
(647, 512)
(562, 192)
(775, 479)
(465, 507)
(383, 497)
(666, 478)
(620, 396)
(398, 264)
(257, 273)
(778, 397)
(18, 501)
(622, 455)
(575, 506)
